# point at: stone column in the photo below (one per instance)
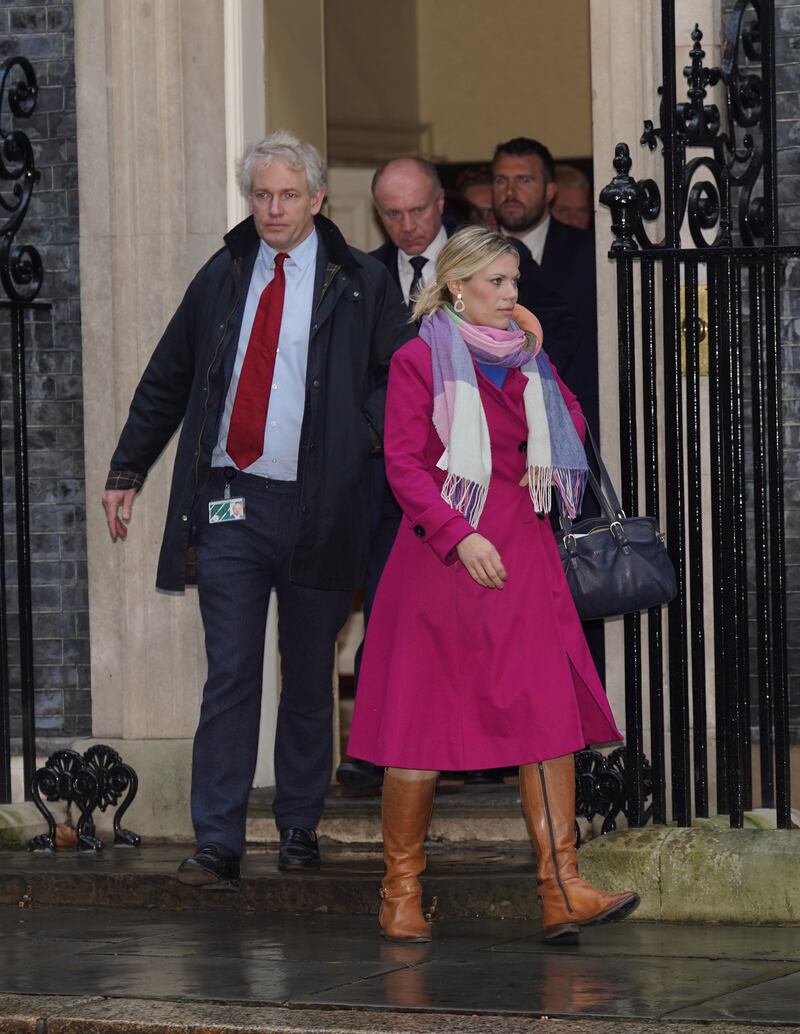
(151, 152)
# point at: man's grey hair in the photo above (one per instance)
(286, 147)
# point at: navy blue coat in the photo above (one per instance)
(568, 260)
(358, 320)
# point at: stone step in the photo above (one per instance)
(489, 880)
(462, 814)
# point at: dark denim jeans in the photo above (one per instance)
(238, 564)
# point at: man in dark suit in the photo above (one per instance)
(524, 185)
(409, 199)
(270, 485)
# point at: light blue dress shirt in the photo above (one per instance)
(287, 396)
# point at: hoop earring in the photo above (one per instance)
(458, 304)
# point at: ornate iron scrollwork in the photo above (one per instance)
(114, 778)
(20, 265)
(600, 787)
(96, 779)
(56, 782)
(729, 175)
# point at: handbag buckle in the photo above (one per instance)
(618, 532)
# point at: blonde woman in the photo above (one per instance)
(475, 657)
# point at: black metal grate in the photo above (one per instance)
(724, 200)
(21, 277)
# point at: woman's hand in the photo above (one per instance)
(482, 561)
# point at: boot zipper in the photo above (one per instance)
(546, 800)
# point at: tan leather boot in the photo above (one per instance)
(406, 810)
(547, 790)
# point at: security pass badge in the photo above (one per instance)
(222, 510)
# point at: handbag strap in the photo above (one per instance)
(605, 479)
(604, 489)
(610, 514)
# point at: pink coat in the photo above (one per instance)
(456, 676)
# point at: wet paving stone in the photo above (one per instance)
(775, 1001)
(719, 941)
(482, 967)
(552, 985)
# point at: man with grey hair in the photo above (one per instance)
(276, 364)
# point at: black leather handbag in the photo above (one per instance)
(614, 564)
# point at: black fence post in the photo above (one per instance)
(21, 276)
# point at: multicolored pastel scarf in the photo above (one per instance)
(555, 454)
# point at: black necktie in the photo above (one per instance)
(417, 264)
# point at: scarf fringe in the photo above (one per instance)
(468, 497)
(571, 485)
(540, 480)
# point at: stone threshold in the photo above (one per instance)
(462, 814)
(484, 880)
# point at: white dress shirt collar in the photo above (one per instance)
(301, 254)
(534, 240)
(406, 271)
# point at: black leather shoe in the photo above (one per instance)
(210, 869)
(359, 775)
(299, 849)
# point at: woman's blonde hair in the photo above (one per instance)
(468, 251)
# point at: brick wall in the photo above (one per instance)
(43, 33)
(787, 47)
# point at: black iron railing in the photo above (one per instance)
(21, 278)
(723, 200)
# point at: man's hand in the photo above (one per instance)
(114, 500)
(482, 561)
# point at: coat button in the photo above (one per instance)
(312, 445)
(419, 531)
(184, 516)
(356, 294)
(523, 446)
(315, 382)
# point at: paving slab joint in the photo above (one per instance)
(702, 874)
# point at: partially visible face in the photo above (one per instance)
(573, 206)
(410, 207)
(521, 191)
(282, 207)
(480, 195)
(489, 295)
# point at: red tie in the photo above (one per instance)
(249, 417)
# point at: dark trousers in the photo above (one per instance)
(238, 564)
(384, 521)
